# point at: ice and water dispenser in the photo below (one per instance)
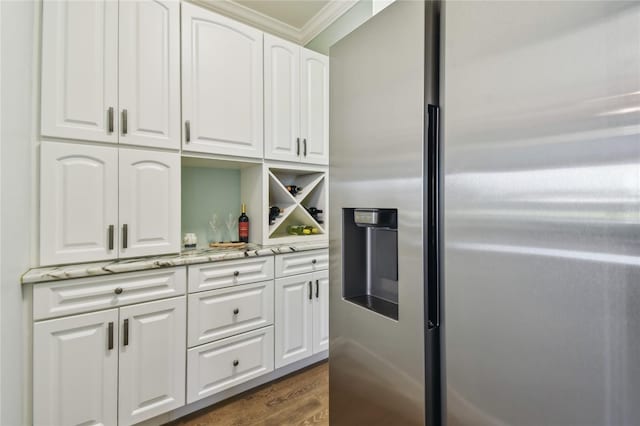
(370, 259)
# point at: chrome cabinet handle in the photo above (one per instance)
(124, 121)
(304, 141)
(125, 236)
(110, 120)
(187, 131)
(110, 237)
(310, 290)
(125, 340)
(110, 337)
(298, 146)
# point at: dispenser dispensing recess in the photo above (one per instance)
(370, 259)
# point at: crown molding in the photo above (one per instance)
(321, 20)
(325, 17)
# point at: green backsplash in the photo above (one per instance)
(208, 191)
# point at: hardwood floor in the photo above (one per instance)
(298, 399)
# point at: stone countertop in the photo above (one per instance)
(188, 257)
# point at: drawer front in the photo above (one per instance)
(68, 297)
(216, 314)
(229, 273)
(220, 365)
(301, 263)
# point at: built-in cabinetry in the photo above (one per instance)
(302, 306)
(230, 326)
(100, 202)
(222, 99)
(296, 97)
(111, 71)
(119, 365)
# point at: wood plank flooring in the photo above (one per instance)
(298, 399)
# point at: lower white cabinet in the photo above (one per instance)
(118, 366)
(225, 363)
(301, 317)
(75, 370)
(152, 359)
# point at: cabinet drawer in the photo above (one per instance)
(226, 363)
(67, 297)
(301, 262)
(222, 313)
(230, 273)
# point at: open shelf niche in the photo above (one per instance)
(312, 192)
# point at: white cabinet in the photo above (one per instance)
(152, 359)
(296, 103)
(149, 79)
(149, 208)
(321, 311)
(222, 99)
(96, 51)
(80, 69)
(118, 366)
(293, 319)
(75, 370)
(302, 306)
(78, 203)
(314, 116)
(81, 206)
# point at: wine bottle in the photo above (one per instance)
(243, 226)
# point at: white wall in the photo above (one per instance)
(18, 75)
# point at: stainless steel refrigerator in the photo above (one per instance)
(538, 175)
(383, 275)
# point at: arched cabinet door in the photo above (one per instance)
(78, 203)
(222, 99)
(149, 202)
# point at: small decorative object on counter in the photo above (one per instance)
(315, 214)
(274, 213)
(302, 230)
(243, 226)
(190, 240)
(294, 190)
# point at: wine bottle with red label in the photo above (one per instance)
(243, 226)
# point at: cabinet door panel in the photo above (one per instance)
(314, 121)
(149, 202)
(282, 99)
(149, 79)
(152, 363)
(321, 311)
(75, 374)
(78, 203)
(80, 69)
(221, 84)
(293, 319)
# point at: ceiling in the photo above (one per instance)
(291, 12)
(295, 20)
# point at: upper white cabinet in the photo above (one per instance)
(100, 203)
(296, 103)
(80, 70)
(149, 202)
(222, 99)
(78, 203)
(111, 71)
(314, 101)
(149, 53)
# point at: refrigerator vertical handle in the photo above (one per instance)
(433, 219)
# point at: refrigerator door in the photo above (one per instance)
(541, 111)
(378, 97)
